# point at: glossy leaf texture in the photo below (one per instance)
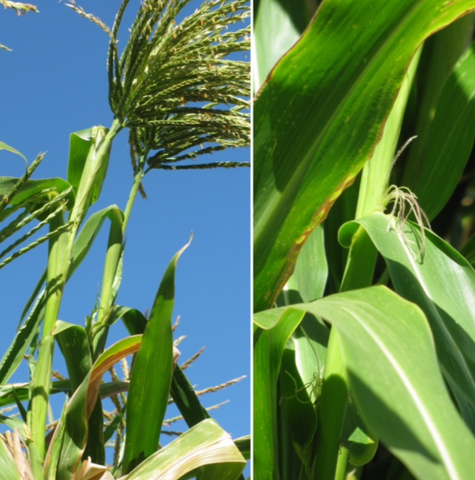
(205, 445)
(151, 376)
(389, 354)
(320, 114)
(442, 283)
(287, 19)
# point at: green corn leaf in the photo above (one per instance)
(320, 114)
(185, 399)
(299, 411)
(31, 188)
(434, 169)
(277, 26)
(468, 251)
(311, 269)
(269, 345)
(442, 283)
(389, 353)
(83, 145)
(134, 320)
(181, 390)
(89, 232)
(82, 404)
(5, 200)
(15, 354)
(8, 392)
(310, 342)
(359, 441)
(205, 445)
(151, 376)
(74, 344)
(4, 146)
(244, 446)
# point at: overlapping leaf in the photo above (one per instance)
(442, 283)
(389, 353)
(320, 114)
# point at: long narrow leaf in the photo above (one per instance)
(82, 404)
(151, 376)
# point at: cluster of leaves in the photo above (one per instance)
(142, 100)
(364, 324)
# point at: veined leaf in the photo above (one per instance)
(82, 404)
(442, 283)
(277, 26)
(206, 444)
(389, 352)
(151, 375)
(320, 114)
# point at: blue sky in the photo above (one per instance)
(53, 83)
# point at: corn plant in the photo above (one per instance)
(180, 94)
(364, 287)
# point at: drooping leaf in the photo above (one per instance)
(389, 353)
(4, 146)
(82, 404)
(442, 283)
(32, 189)
(205, 445)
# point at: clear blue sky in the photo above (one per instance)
(54, 82)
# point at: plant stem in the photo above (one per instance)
(133, 193)
(332, 411)
(359, 273)
(114, 252)
(57, 272)
(59, 260)
(113, 256)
